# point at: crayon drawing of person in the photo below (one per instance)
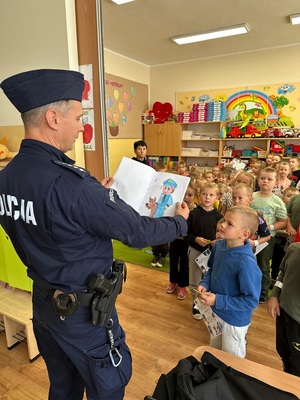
(165, 199)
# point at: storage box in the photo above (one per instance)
(204, 153)
(247, 153)
(262, 153)
(190, 151)
(187, 134)
(227, 153)
(236, 153)
(213, 153)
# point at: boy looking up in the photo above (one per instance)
(231, 286)
(274, 212)
(140, 150)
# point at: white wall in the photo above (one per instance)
(124, 67)
(34, 34)
(245, 69)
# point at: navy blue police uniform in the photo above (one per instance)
(61, 221)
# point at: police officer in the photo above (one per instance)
(61, 221)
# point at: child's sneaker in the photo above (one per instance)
(195, 312)
(171, 287)
(181, 294)
(154, 261)
(161, 262)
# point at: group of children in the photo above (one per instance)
(239, 221)
(237, 279)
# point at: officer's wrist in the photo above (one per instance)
(255, 243)
(271, 227)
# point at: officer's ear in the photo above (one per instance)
(52, 118)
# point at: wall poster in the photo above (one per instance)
(88, 108)
(277, 105)
(125, 102)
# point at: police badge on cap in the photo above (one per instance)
(33, 89)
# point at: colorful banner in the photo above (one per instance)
(276, 104)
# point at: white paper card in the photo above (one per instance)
(214, 327)
(202, 260)
(149, 192)
(260, 247)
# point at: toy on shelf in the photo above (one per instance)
(292, 150)
(162, 112)
(277, 146)
(280, 132)
(148, 117)
(235, 131)
(227, 151)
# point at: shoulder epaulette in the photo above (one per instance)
(74, 168)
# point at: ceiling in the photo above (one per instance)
(141, 30)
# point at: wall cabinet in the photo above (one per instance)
(163, 139)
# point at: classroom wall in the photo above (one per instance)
(34, 34)
(126, 68)
(281, 65)
(245, 69)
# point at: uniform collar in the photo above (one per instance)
(44, 150)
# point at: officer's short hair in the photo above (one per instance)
(35, 116)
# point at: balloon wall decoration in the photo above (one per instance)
(118, 106)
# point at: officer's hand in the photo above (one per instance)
(182, 209)
(107, 181)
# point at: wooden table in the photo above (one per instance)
(271, 376)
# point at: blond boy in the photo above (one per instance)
(231, 286)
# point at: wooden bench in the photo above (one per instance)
(16, 319)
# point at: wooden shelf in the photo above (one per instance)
(167, 139)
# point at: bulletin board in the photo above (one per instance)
(125, 102)
(278, 104)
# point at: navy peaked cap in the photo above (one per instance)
(33, 89)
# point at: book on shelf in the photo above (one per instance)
(149, 192)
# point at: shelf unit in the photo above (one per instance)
(203, 147)
(200, 142)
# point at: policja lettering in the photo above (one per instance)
(9, 206)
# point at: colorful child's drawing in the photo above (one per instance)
(165, 199)
(152, 206)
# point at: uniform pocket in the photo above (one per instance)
(107, 377)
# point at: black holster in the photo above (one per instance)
(106, 292)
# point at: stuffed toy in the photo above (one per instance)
(4, 152)
(162, 112)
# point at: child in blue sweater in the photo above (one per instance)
(231, 286)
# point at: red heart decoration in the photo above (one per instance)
(162, 111)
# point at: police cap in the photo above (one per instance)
(170, 182)
(33, 89)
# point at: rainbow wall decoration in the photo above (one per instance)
(277, 104)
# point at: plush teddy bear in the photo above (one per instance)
(161, 111)
(4, 152)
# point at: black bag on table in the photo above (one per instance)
(211, 379)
